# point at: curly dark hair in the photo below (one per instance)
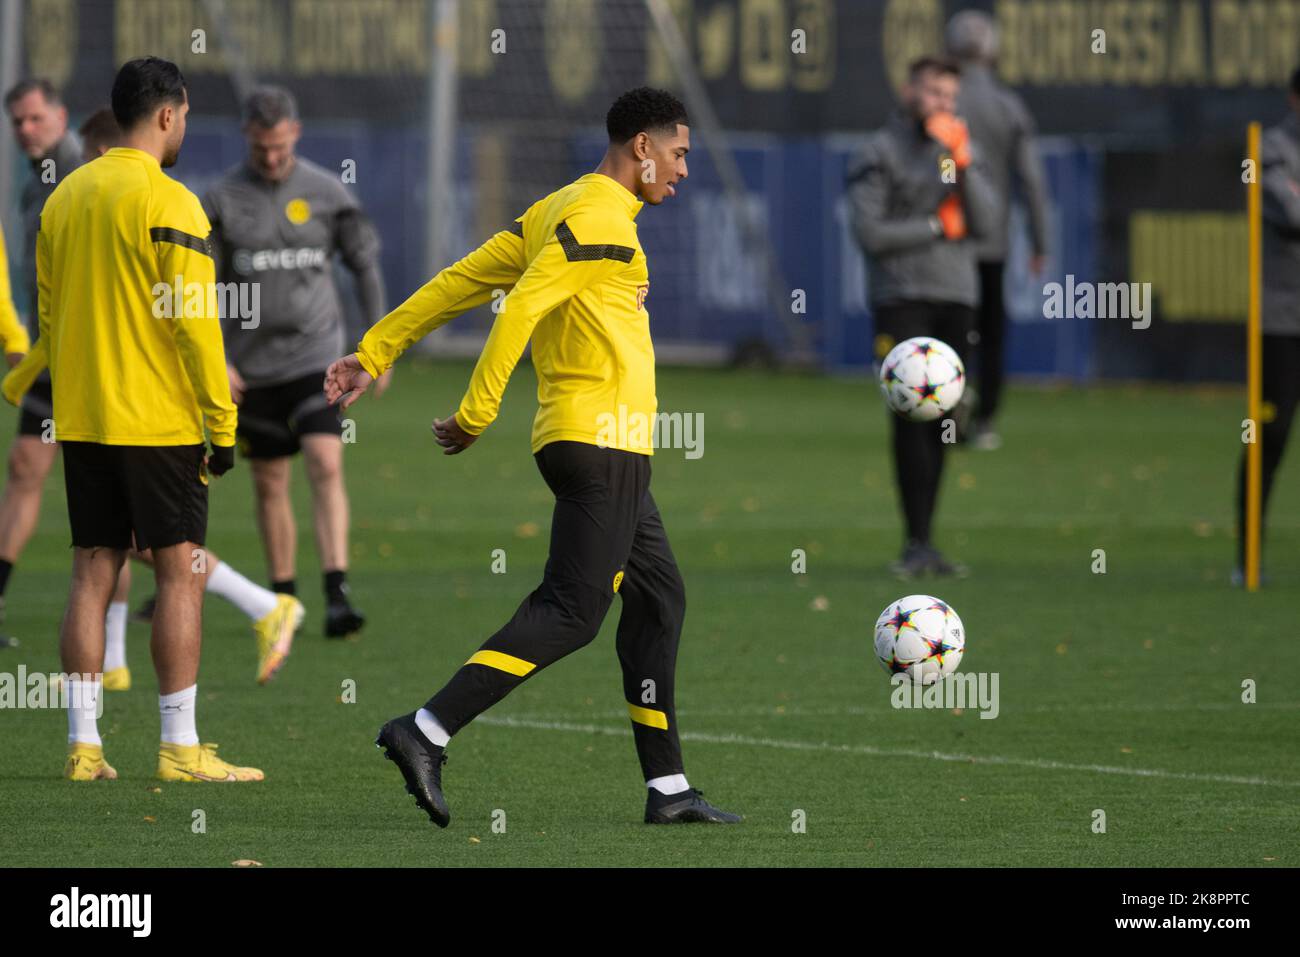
(644, 108)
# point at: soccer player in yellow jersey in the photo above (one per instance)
(577, 282)
(135, 386)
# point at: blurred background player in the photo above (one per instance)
(278, 220)
(1279, 160)
(1003, 132)
(275, 618)
(916, 199)
(578, 280)
(40, 124)
(135, 467)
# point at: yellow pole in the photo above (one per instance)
(1254, 363)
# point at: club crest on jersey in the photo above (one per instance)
(641, 292)
(297, 211)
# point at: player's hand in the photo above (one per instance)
(236, 384)
(13, 358)
(346, 381)
(220, 460)
(383, 382)
(451, 436)
(952, 216)
(952, 133)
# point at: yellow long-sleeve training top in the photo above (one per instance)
(13, 335)
(574, 280)
(127, 308)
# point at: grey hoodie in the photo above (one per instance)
(283, 236)
(1279, 160)
(894, 187)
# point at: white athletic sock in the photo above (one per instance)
(429, 726)
(253, 600)
(83, 700)
(177, 710)
(115, 636)
(669, 784)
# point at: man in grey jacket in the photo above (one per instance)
(1279, 180)
(277, 221)
(1003, 131)
(40, 125)
(917, 198)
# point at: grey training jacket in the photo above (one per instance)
(284, 236)
(67, 157)
(1003, 131)
(894, 187)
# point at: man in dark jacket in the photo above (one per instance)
(917, 198)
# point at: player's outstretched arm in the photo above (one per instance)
(346, 381)
(490, 270)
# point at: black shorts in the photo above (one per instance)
(273, 418)
(159, 493)
(37, 408)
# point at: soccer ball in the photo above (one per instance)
(922, 378)
(921, 637)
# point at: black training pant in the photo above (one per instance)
(606, 538)
(1281, 388)
(919, 446)
(992, 327)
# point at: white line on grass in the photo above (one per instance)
(795, 711)
(899, 753)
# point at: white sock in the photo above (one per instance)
(83, 701)
(115, 636)
(669, 784)
(429, 726)
(177, 710)
(253, 600)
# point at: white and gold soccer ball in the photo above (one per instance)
(920, 637)
(922, 378)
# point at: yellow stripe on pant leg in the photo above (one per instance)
(648, 716)
(501, 662)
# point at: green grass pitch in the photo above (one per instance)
(1119, 691)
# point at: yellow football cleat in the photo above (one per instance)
(86, 763)
(275, 636)
(199, 762)
(118, 679)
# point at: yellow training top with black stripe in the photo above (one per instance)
(574, 280)
(13, 336)
(130, 368)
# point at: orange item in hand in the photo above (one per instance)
(953, 217)
(952, 133)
